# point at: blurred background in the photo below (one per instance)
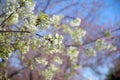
(97, 16)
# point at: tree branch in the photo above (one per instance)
(2, 24)
(48, 2)
(69, 6)
(30, 75)
(85, 43)
(16, 72)
(1, 31)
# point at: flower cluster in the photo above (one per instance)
(54, 43)
(101, 44)
(73, 53)
(56, 19)
(49, 73)
(58, 60)
(75, 22)
(90, 51)
(42, 61)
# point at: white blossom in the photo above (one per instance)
(75, 22)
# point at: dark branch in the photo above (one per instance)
(39, 35)
(30, 75)
(48, 2)
(1, 31)
(48, 39)
(3, 22)
(16, 72)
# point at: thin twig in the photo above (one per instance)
(92, 41)
(48, 2)
(3, 22)
(1, 31)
